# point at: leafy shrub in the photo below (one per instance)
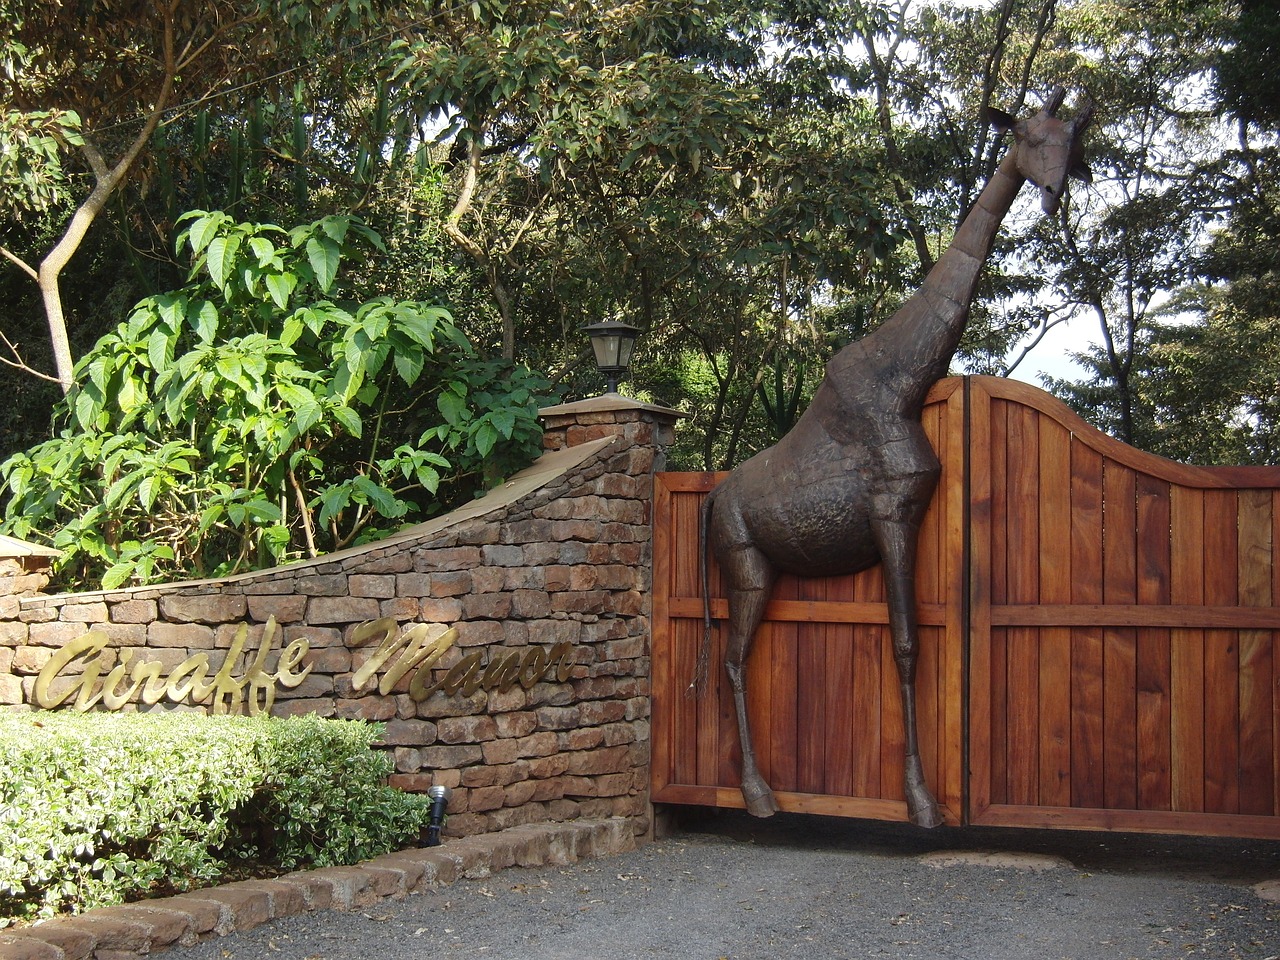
(99, 808)
(257, 415)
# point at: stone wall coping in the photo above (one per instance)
(610, 403)
(546, 469)
(13, 548)
(144, 928)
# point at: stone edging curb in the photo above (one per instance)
(139, 929)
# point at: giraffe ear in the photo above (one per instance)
(999, 119)
(1081, 172)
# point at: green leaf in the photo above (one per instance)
(280, 286)
(221, 258)
(486, 438)
(324, 256)
(348, 418)
(203, 317)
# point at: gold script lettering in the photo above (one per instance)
(185, 681)
(421, 646)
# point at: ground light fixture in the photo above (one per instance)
(439, 795)
(612, 342)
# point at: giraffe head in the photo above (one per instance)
(1046, 149)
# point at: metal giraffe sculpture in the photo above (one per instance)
(848, 486)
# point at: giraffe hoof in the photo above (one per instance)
(927, 816)
(921, 807)
(760, 800)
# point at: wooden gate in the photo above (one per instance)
(1098, 642)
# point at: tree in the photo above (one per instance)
(90, 85)
(257, 414)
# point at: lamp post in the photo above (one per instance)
(612, 342)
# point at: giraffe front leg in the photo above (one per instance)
(752, 580)
(897, 542)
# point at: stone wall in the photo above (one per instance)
(544, 709)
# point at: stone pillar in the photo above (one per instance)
(24, 572)
(645, 426)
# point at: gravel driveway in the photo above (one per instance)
(727, 886)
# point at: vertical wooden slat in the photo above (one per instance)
(954, 758)
(892, 738)
(1257, 704)
(1120, 715)
(811, 693)
(1086, 649)
(1186, 666)
(979, 580)
(663, 651)
(1022, 578)
(1154, 745)
(867, 711)
(1055, 587)
(840, 732)
(997, 464)
(784, 717)
(1275, 655)
(1221, 657)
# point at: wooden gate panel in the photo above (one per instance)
(1122, 633)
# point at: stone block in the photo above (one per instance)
(414, 584)
(530, 604)
(380, 586)
(393, 560)
(413, 733)
(513, 724)
(501, 751)
(54, 633)
(134, 611)
(488, 606)
(322, 585)
(518, 794)
(473, 729)
(117, 932)
(448, 558)
(210, 609)
(71, 935)
(372, 708)
(30, 659)
(339, 888)
(452, 757)
(164, 926)
(413, 871)
(19, 945)
(481, 632)
(606, 760)
(204, 916)
(559, 718)
(286, 609)
(443, 610)
(502, 555)
(243, 908)
(452, 583)
(342, 609)
(189, 636)
(400, 609)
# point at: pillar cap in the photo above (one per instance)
(609, 403)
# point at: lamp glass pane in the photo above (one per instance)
(607, 347)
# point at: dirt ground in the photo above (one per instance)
(724, 885)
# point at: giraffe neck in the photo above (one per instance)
(925, 332)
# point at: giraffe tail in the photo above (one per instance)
(704, 655)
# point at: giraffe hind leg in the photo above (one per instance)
(897, 542)
(752, 580)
